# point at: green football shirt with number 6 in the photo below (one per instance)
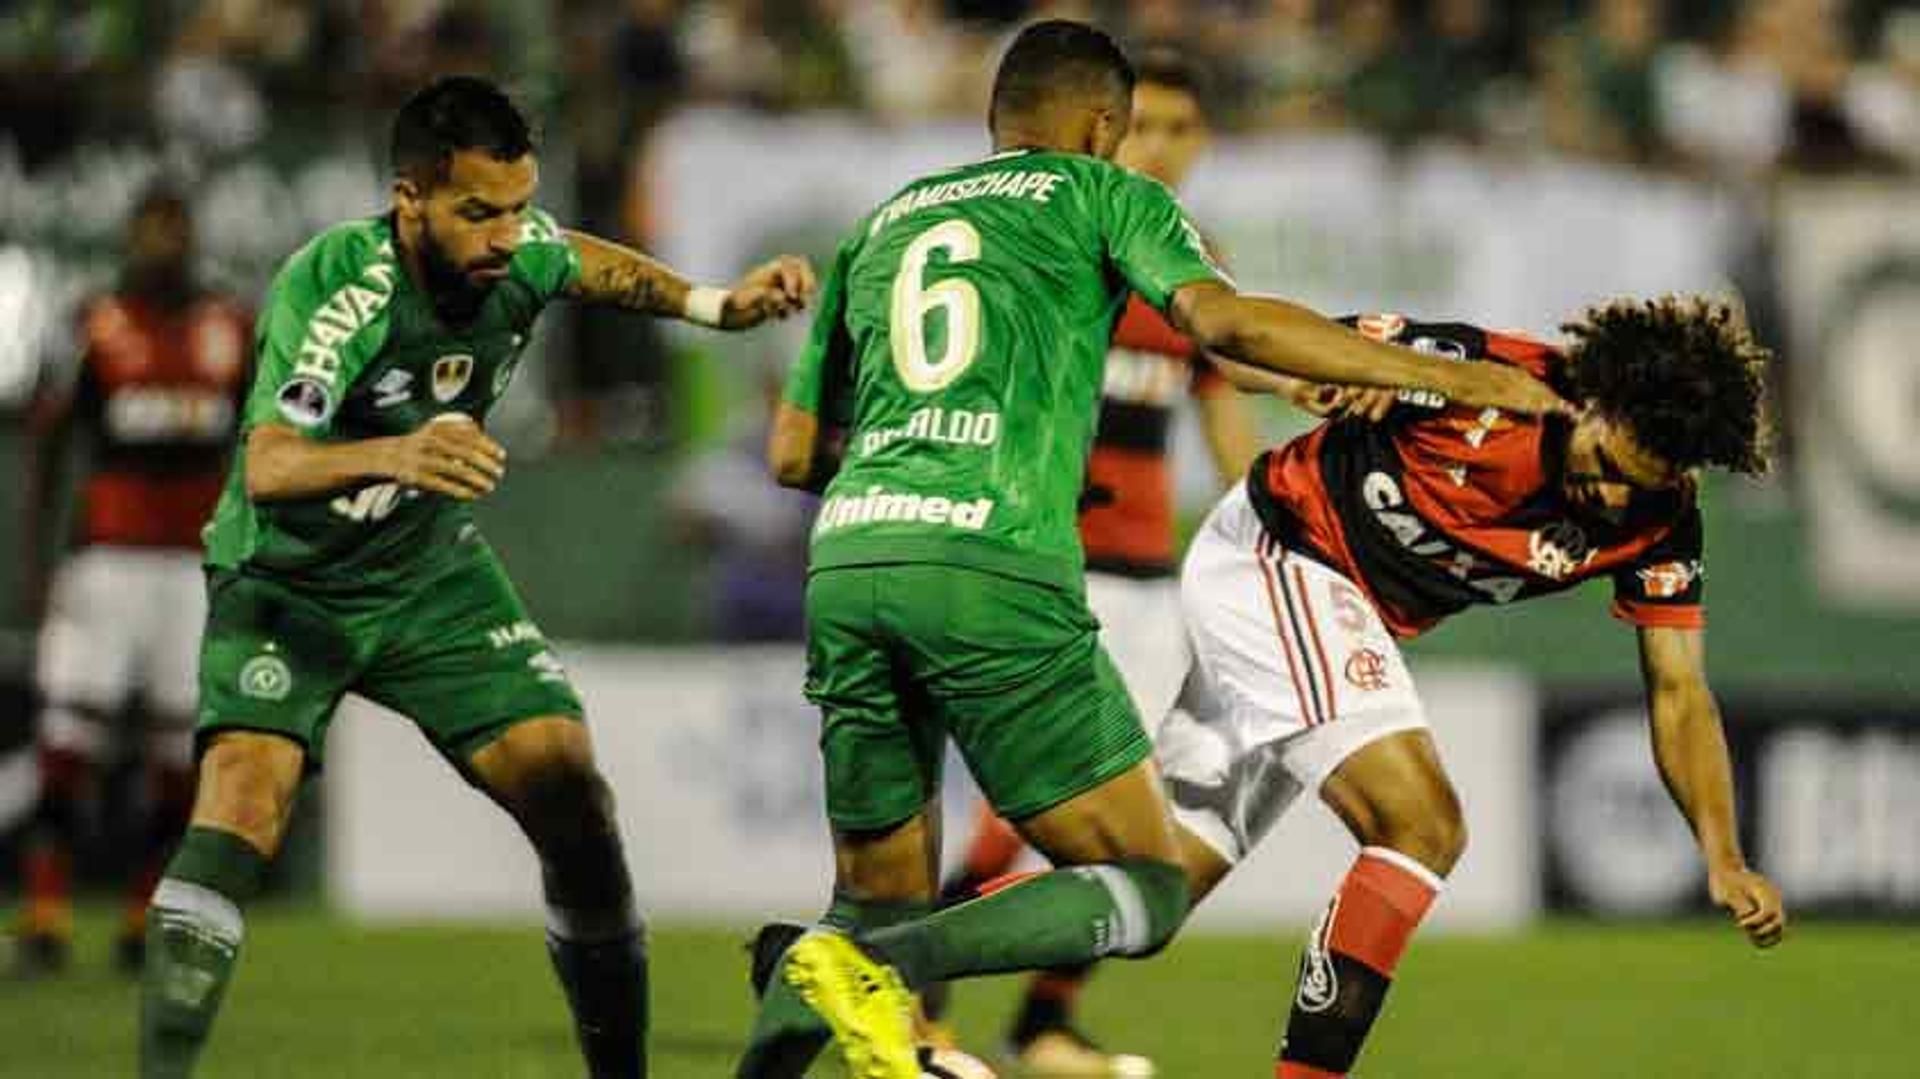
(961, 341)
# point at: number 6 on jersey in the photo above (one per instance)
(914, 300)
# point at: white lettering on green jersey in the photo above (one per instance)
(961, 336)
(350, 348)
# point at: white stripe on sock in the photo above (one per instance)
(205, 908)
(1131, 926)
(1395, 858)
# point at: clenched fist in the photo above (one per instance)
(448, 455)
(774, 289)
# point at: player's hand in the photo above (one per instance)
(1370, 403)
(448, 455)
(1752, 900)
(773, 289)
(1496, 385)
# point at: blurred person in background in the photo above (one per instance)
(1883, 98)
(1463, 53)
(207, 97)
(1127, 531)
(911, 58)
(628, 77)
(1289, 66)
(155, 407)
(1387, 87)
(773, 55)
(1723, 101)
(1812, 43)
(1597, 82)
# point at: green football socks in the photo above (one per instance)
(1056, 919)
(788, 1035)
(193, 940)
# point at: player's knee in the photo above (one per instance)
(1436, 837)
(1160, 898)
(567, 812)
(244, 791)
(887, 864)
(566, 799)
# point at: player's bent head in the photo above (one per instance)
(1672, 385)
(464, 172)
(1169, 124)
(1063, 85)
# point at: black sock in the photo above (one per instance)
(595, 937)
(1349, 962)
(606, 986)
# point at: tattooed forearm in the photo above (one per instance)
(612, 274)
(633, 286)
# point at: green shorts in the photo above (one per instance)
(901, 656)
(458, 656)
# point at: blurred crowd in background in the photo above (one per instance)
(1733, 93)
(1738, 85)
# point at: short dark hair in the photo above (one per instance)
(459, 112)
(1683, 373)
(1164, 65)
(1053, 60)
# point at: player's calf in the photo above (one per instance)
(195, 928)
(543, 772)
(1121, 891)
(1396, 801)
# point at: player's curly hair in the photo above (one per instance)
(1684, 373)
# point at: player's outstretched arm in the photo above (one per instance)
(1283, 337)
(612, 273)
(453, 458)
(1315, 398)
(1690, 747)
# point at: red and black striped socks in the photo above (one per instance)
(1349, 962)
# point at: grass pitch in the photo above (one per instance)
(316, 997)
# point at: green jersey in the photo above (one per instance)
(961, 339)
(350, 348)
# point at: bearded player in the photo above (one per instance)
(1127, 534)
(344, 557)
(1401, 511)
(163, 366)
(960, 342)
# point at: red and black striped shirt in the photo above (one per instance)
(1440, 507)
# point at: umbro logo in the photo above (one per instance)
(394, 388)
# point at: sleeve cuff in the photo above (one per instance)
(1660, 616)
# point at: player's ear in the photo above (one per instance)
(1107, 127)
(408, 197)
